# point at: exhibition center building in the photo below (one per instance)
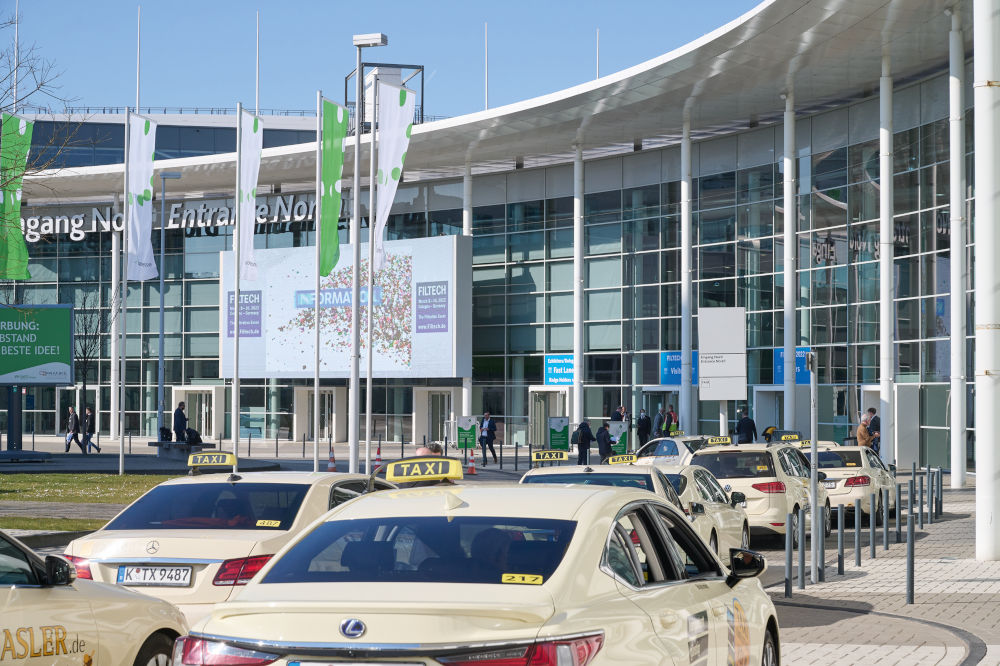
(551, 257)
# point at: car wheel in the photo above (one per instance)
(713, 544)
(828, 516)
(770, 655)
(745, 538)
(156, 651)
(794, 526)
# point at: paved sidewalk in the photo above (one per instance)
(862, 616)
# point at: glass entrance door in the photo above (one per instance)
(545, 404)
(438, 416)
(325, 414)
(199, 412)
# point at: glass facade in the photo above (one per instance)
(522, 310)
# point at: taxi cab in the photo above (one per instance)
(47, 616)
(666, 451)
(854, 473)
(773, 477)
(579, 575)
(193, 540)
(717, 516)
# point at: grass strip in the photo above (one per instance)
(77, 488)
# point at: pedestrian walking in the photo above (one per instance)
(180, 423)
(672, 425)
(89, 428)
(582, 437)
(487, 435)
(73, 431)
(660, 423)
(874, 429)
(746, 429)
(604, 442)
(862, 432)
(643, 427)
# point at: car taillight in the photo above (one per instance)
(193, 651)
(770, 487)
(240, 570)
(573, 652)
(82, 565)
(858, 481)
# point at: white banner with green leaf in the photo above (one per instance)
(141, 146)
(395, 122)
(251, 144)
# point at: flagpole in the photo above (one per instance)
(236, 291)
(17, 49)
(371, 275)
(318, 218)
(138, 44)
(352, 424)
(122, 358)
(256, 93)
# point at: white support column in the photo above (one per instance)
(791, 225)
(986, 91)
(686, 416)
(887, 318)
(956, 156)
(577, 409)
(466, 231)
(116, 281)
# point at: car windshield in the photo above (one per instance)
(427, 549)
(736, 464)
(663, 447)
(829, 459)
(595, 479)
(678, 481)
(214, 506)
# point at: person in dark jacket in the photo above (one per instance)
(89, 428)
(73, 431)
(585, 437)
(604, 442)
(643, 427)
(659, 423)
(487, 435)
(180, 423)
(618, 414)
(746, 430)
(875, 429)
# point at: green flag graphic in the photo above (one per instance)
(332, 168)
(15, 140)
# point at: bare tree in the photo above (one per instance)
(92, 323)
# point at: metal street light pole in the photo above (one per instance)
(164, 177)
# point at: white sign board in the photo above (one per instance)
(722, 354)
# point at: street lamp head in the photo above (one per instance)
(371, 39)
(170, 175)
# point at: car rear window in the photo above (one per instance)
(736, 464)
(828, 459)
(678, 481)
(595, 479)
(214, 506)
(431, 549)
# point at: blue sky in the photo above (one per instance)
(201, 53)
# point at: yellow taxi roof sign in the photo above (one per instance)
(720, 440)
(677, 433)
(423, 468)
(549, 456)
(789, 438)
(211, 459)
(622, 459)
(805, 442)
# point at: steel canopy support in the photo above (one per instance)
(887, 355)
(791, 223)
(577, 408)
(956, 157)
(466, 231)
(686, 415)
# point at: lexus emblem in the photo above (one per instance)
(352, 628)
(152, 547)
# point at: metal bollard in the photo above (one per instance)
(885, 519)
(909, 559)
(303, 445)
(515, 456)
(130, 442)
(899, 513)
(788, 557)
(821, 565)
(501, 454)
(913, 474)
(249, 442)
(531, 465)
(401, 440)
(940, 491)
(857, 533)
(425, 440)
(872, 519)
(840, 539)
(32, 439)
(275, 442)
(802, 548)
(930, 494)
(920, 504)
(910, 490)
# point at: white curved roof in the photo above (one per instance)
(730, 79)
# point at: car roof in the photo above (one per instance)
(304, 478)
(557, 502)
(729, 448)
(626, 468)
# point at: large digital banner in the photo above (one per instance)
(422, 301)
(36, 345)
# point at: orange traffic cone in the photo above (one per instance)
(331, 466)
(378, 455)
(472, 464)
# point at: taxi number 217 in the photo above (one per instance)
(521, 579)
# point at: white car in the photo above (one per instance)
(665, 451)
(854, 473)
(716, 515)
(645, 477)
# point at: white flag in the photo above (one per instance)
(395, 121)
(141, 144)
(251, 142)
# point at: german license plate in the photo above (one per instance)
(829, 484)
(154, 576)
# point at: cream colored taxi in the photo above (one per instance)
(47, 616)
(716, 515)
(855, 473)
(481, 575)
(194, 540)
(773, 477)
(666, 451)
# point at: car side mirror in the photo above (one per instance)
(821, 476)
(744, 564)
(697, 509)
(58, 571)
(736, 497)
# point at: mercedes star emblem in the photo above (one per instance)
(152, 547)
(352, 628)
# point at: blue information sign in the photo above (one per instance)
(801, 373)
(670, 368)
(559, 369)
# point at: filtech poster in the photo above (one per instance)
(422, 316)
